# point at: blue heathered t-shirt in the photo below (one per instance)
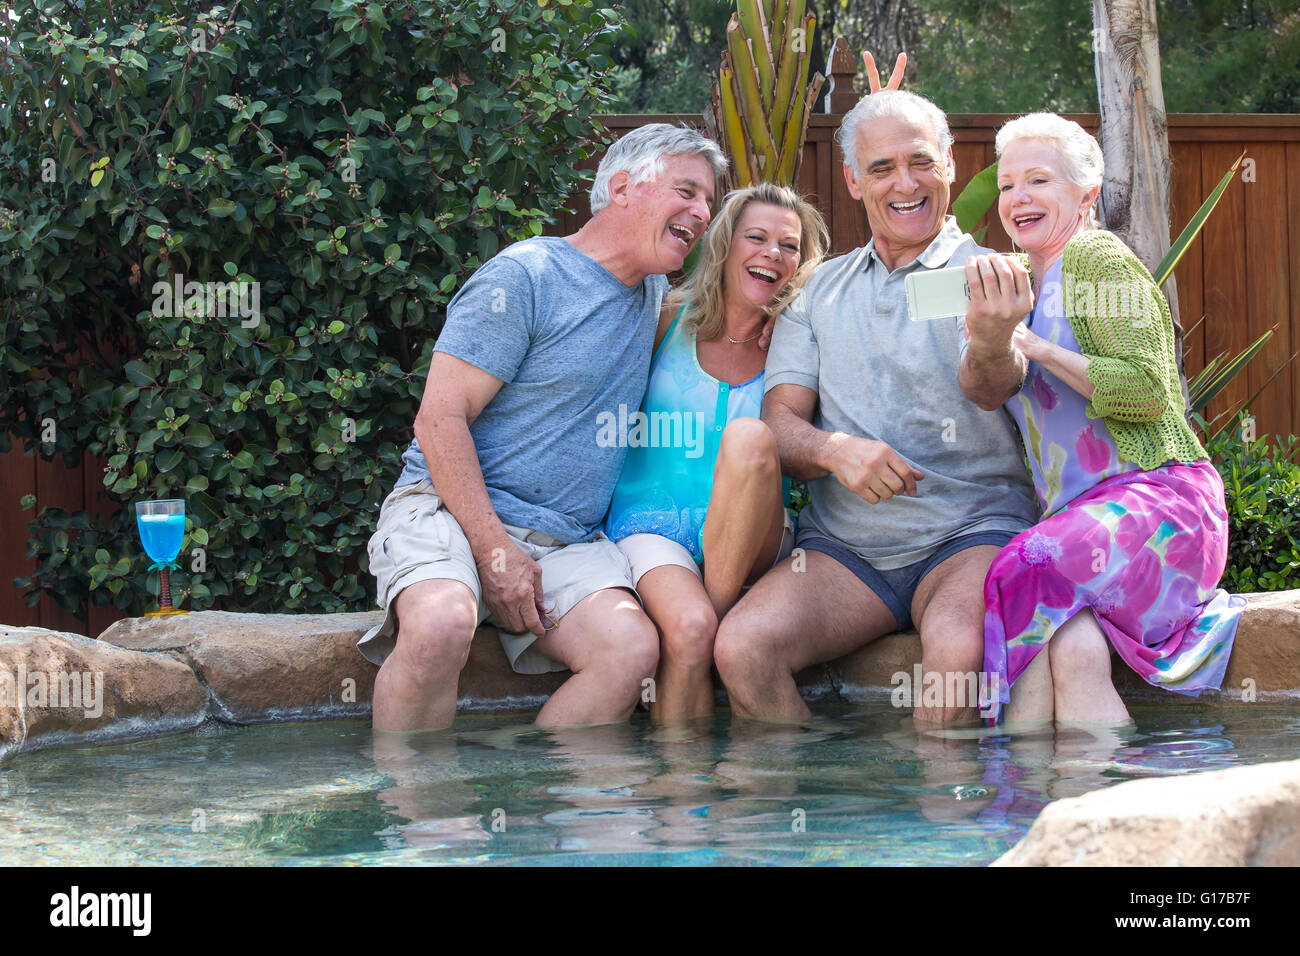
(572, 343)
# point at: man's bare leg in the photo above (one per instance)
(679, 606)
(416, 687)
(611, 647)
(948, 608)
(746, 517)
(790, 620)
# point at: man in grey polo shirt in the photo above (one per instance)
(914, 489)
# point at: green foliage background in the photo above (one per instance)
(985, 56)
(356, 159)
(1261, 483)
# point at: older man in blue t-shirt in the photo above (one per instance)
(495, 514)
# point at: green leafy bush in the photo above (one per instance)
(1261, 483)
(350, 163)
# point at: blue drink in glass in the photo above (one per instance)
(162, 535)
(162, 531)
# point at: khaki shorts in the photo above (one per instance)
(417, 539)
(645, 552)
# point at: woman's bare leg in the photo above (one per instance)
(1082, 688)
(677, 603)
(746, 518)
(1032, 695)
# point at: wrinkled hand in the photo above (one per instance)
(873, 470)
(1000, 298)
(873, 75)
(512, 589)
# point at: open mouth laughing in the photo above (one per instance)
(909, 208)
(682, 234)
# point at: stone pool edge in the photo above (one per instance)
(170, 675)
(1241, 816)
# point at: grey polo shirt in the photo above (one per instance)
(879, 375)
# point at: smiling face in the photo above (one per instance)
(670, 212)
(764, 253)
(1040, 208)
(903, 181)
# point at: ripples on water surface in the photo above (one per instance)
(854, 787)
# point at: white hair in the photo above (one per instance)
(897, 103)
(1082, 161)
(641, 154)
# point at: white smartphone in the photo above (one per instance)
(936, 293)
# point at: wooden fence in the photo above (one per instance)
(1243, 275)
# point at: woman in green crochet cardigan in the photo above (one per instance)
(1133, 538)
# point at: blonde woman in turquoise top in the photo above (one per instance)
(699, 509)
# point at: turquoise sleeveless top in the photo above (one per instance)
(672, 445)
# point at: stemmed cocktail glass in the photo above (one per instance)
(162, 531)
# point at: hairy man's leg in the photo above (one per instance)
(948, 608)
(416, 687)
(611, 647)
(808, 609)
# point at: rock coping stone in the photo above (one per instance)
(63, 690)
(164, 675)
(262, 667)
(1243, 816)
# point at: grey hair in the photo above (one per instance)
(1082, 161)
(898, 103)
(641, 154)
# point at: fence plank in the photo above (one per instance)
(1293, 272)
(1186, 195)
(58, 487)
(100, 506)
(1224, 235)
(17, 478)
(1268, 301)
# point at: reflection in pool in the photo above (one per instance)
(853, 786)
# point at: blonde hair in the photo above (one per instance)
(1082, 161)
(704, 289)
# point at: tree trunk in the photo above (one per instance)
(1134, 137)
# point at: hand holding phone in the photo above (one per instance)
(995, 283)
(1000, 297)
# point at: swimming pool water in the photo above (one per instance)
(855, 786)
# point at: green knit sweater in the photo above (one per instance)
(1123, 326)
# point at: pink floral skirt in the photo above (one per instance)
(1144, 551)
